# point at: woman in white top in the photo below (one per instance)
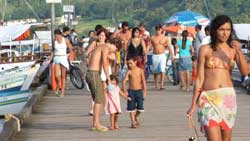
(60, 59)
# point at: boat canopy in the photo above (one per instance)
(16, 32)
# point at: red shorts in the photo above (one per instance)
(222, 125)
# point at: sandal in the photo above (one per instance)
(162, 88)
(62, 95)
(111, 128)
(57, 92)
(182, 88)
(134, 125)
(100, 129)
(117, 127)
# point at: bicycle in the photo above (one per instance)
(76, 75)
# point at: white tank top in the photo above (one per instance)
(60, 48)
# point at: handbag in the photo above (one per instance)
(193, 127)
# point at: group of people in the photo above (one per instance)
(214, 55)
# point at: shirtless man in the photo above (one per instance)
(159, 43)
(97, 60)
(125, 36)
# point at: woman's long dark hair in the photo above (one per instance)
(184, 39)
(134, 30)
(215, 24)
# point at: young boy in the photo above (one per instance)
(137, 91)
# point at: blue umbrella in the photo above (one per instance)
(188, 18)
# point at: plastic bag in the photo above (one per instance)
(147, 72)
(123, 72)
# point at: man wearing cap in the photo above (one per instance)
(159, 43)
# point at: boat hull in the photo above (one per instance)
(13, 102)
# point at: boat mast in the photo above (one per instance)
(206, 5)
(31, 8)
(3, 11)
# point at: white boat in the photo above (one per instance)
(14, 88)
(8, 66)
(13, 102)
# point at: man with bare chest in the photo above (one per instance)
(125, 36)
(97, 60)
(159, 43)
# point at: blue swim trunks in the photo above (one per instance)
(136, 102)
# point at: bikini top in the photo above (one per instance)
(213, 63)
(135, 51)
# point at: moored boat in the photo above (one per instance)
(14, 88)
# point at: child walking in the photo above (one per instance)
(113, 102)
(137, 91)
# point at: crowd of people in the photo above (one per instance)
(194, 59)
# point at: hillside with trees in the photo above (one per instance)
(150, 12)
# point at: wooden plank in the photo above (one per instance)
(164, 119)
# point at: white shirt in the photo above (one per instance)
(60, 48)
(206, 40)
(86, 42)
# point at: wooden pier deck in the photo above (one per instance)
(67, 119)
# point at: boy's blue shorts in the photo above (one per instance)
(136, 102)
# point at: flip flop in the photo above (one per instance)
(133, 125)
(111, 128)
(162, 88)
(100, 129)
(57, 92)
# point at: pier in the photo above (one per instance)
(54, 118)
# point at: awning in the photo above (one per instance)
(43, 36)
(15, 32)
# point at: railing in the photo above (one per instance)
(4, 60)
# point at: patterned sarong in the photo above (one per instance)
(217, 108)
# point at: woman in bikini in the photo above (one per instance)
(213, 92)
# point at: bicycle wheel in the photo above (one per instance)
(76, 77)
(170, 75)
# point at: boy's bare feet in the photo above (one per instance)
(134, 125)
(137, 119)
